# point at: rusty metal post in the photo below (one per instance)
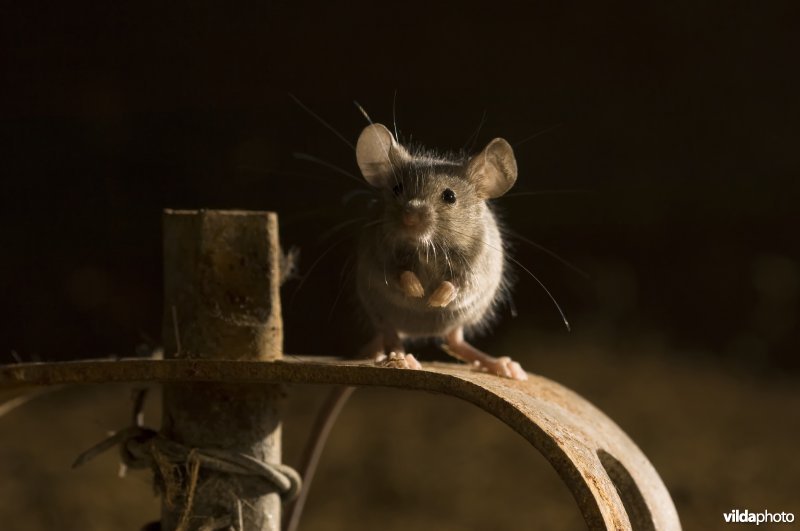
(221, 302)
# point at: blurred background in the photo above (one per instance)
(658, 152)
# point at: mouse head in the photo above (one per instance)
(430, 197)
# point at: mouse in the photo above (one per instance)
(430, 263)
(431, 259)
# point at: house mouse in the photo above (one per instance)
(430, 264)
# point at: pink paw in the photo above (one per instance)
(504, 366)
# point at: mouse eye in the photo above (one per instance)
(398, 189)
(449, 196)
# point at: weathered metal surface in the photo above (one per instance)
(221, 301)
(221, 285)
(612, 481)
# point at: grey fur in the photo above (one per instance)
(460, 242)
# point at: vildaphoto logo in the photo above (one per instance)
(746, 517)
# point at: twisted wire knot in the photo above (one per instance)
(142, 447)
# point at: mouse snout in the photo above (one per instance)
(410, 219)
(415, 214)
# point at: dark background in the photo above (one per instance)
(670, 131)
(681, 119)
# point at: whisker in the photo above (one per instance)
(384, 240)
(360, 108)
(447, 260)
(248, 170)
(342, 283)
(547, 291)
(528, 271)
(474, 136)
(352, 194)
(550, 192)
(386, 151)
(549, 252)
(337, 169)
(313, 266)
(534, 135)
(394, 115)
(512, 308)
(323, 122)
(325, 235)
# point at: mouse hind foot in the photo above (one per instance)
(456, 346)
(398, 360)
(382, 344)
(386, 350)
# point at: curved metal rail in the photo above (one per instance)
(612, 481)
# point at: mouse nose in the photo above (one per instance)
(410, 219)
(413, 213)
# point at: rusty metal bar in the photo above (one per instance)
(612, 481)
(221, 302)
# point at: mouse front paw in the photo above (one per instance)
(411, 285)
(398, 361)
(444, 295)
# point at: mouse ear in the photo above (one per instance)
(377, 153)
(493, 170)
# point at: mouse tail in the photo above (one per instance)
(323, 425)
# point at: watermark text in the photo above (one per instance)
(737, 516)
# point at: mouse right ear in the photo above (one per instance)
(493, 170)
(378, 153)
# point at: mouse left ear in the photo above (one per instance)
(493, 170)
(378, 153)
